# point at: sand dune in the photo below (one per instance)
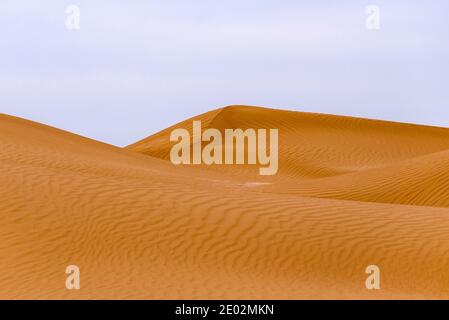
(317, 145)
(350, 192)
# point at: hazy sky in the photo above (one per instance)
(137, 66)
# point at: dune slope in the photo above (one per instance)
(315, 145)
(350, 193)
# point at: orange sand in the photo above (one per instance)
(349, 192)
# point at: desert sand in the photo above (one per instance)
(349, 193)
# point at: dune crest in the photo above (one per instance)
(316, 145)
(349, 193)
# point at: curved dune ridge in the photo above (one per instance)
(315, 145)
(349, 193)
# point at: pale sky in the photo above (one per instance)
(136, 67)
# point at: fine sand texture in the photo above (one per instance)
(349, 193)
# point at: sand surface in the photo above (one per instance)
(349, 193)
